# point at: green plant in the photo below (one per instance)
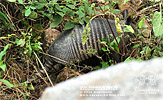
(157, 23)
(6, 23)
(103, 65)
(2, 53)
(56, 12)
(3, 66)
(150, 47)
(27, 43)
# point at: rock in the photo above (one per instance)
(125, 81)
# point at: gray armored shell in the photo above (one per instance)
(69, 47)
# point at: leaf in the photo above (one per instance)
(86, 32)
(25, 51)
(86, 19)
(88, 29)
(36, 46)
(57, 20)
(130, 28)
(60, 13)
(71, 14)
(33, 15)
(38, 26)
(125, 1)
(68, 11)
(118, 26)
(20, 1)
(128, 59)
(7, 83)
(92, 5)
(104, 64)
(28, 46)
(51, 10)
(29, 50)
(1, 13)
(3, 20)
(71, 6)
(80, 13)
(68, 25)
(81, 8)
(115, 10)
(58, 7)
(2, 53)
(2, 66)
(136, 45)
(105, 50)
(97, 67)
(141, 23)
(20, 42)
(160, 53)
(53, 1)
(28, 12)
(157, 24)
(40, 6)
(46, 14)
(32, 7)
(90, 11)
(81, 22)
(11, 0)
(31, 87)
(148, 50)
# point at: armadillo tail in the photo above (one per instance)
(51, 66)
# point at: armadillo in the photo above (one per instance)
(68, 46)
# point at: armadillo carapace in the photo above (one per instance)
(68, 46)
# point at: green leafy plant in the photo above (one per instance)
(2, 53)
(3, 66)
(27, 44)
(103, 65)
(56, 12)
(6, 22)
(6, 82)
(157, 23)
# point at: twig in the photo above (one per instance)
(124, 44)
(143, 10)
(43, 68)
(55, 58)
(111, 30)
(40, 75)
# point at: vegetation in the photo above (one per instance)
(23, 22)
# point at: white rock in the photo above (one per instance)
(125, 81)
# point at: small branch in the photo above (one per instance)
(43, 68)
(55, 58)
(111, 30)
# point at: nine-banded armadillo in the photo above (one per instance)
(68, 46)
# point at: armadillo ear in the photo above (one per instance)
(128, 20)
(125, 15)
